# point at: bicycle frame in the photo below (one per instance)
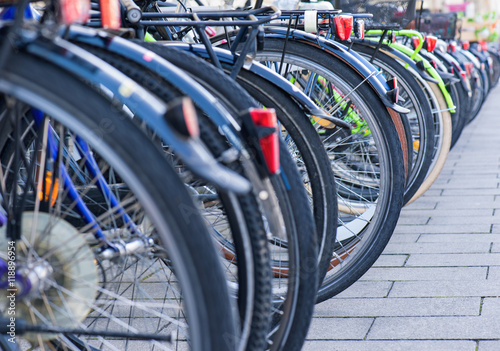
(146, 107)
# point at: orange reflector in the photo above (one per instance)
(74, 11)
(110, 14)
(48, 184)
(343, 26)
(268, 143)
(416, 145)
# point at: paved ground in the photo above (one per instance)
(437, 285)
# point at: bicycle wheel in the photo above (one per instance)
(161, 283)
(229, 220)
(495, 60)
(295, 290)
(420, 115)
(297, 131)
(477, 86)
(442, 135)
(459, 97)
(367, 161)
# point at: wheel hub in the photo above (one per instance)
(57, 270)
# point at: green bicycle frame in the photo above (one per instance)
(413, 54)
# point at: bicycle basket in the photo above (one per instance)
(443, 25)
(385, 12)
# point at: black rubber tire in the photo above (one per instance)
(297, 125)
(416, 97)
(378, 232)
(65, 99)
(294, 337)
(311, 152)
(260, 298)
(459, 97)
(495, 76)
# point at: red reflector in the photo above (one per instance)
(110, 14)
(74, 11)
(268, 143)
(484, 45)
(431, 43)
(434, 64)
(463, 74)
(452, 70)
(343, 26)
(416, 42)
(210, 31)
(452, 47)
(468, 68)
(465, 45)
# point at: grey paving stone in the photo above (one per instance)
(457, 260)
(460, 220)
(419, 247)
(488, 345)
(367, 289)
(473, 328)
(428, 273)
(397, 345)
(494, 273)
(432, 192)
(390, 261)
(443, 229)
(450, 202)
(413, 220)
(469, 212)
(495, 228)
(404, 238)
(470, 192)
(422, 204)
(445, 288)
(463, 237)
(402, 307)
(490, 307)
(447, 294)
(339, 328)
(495, 247)
(477, 184)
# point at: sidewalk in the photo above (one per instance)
(437, 285)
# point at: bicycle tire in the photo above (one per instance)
(44, 86)
(422, 122)
(305, 250)
(443, 136)
(259, 299)
(376, 233)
